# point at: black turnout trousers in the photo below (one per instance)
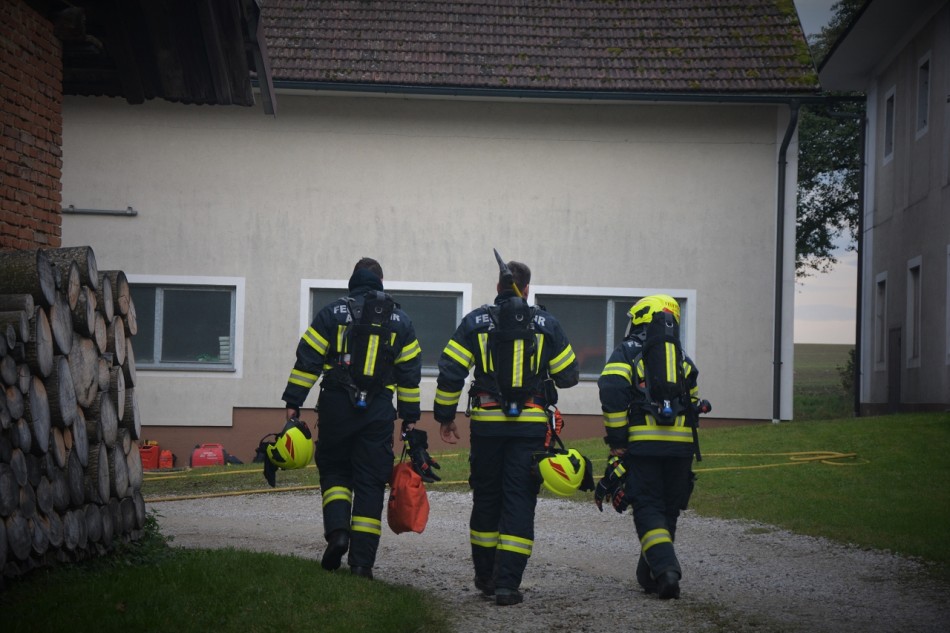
(355, 456)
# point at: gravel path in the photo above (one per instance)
(739, 576)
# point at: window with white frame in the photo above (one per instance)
(923, 95)
(434, 308)
(595, 319)
(880, 321)
(186, 323)
(913, 312)
(889, 121)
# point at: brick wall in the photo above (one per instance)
(31, 129)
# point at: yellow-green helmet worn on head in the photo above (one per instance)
(563, 471)
(643, 310)
(292, 448)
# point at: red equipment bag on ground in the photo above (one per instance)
(408, 508)
(208, 455)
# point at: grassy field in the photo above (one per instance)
(818, 393)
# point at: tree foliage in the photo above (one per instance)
(828, 164)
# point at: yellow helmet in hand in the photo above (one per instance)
(563, 471)
(292, 448)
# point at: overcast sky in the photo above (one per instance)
(813, 14)
(824, 304)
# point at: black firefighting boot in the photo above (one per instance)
(668, 585)
(365, 572)
(645, 576)
(505, 597)
(338, 541)
(485, 585)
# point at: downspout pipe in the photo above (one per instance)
(859, 289)
(794, 106)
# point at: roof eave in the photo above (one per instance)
(545, 95)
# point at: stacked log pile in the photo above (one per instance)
(70, 468)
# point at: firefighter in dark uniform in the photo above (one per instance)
(354, 443)
(658, 458)
(503, 447)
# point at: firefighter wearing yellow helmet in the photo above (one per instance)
(652, 435)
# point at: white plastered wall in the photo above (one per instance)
(589, 195)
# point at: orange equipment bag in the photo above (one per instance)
(408, 508)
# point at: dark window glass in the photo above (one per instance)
(584, 320)
(183, 327)
(196, 326)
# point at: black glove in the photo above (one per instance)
(611, 485)
(703, 406)
(620, 501)
(587, 483)
(422, 462)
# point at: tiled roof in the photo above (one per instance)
(629, 46)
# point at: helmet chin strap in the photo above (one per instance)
(270, 473)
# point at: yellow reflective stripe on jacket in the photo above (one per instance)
(302, 378)
(670, 355)
(483, 539)
(529, 414)
(337, 493)
(447, 398)
(408, 394)
(654, 433)
(457, 352)
(510, 543)
(624, 370)
(372, 349)
(487, 365)
(562, 360)
(340, 338)
(316, 341)
(368, 525)
(655, 537)
(408, 352)
(671, 375)
(539, 350)
(517, 364)
(615, 419)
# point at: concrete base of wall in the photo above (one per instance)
(250, 425)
